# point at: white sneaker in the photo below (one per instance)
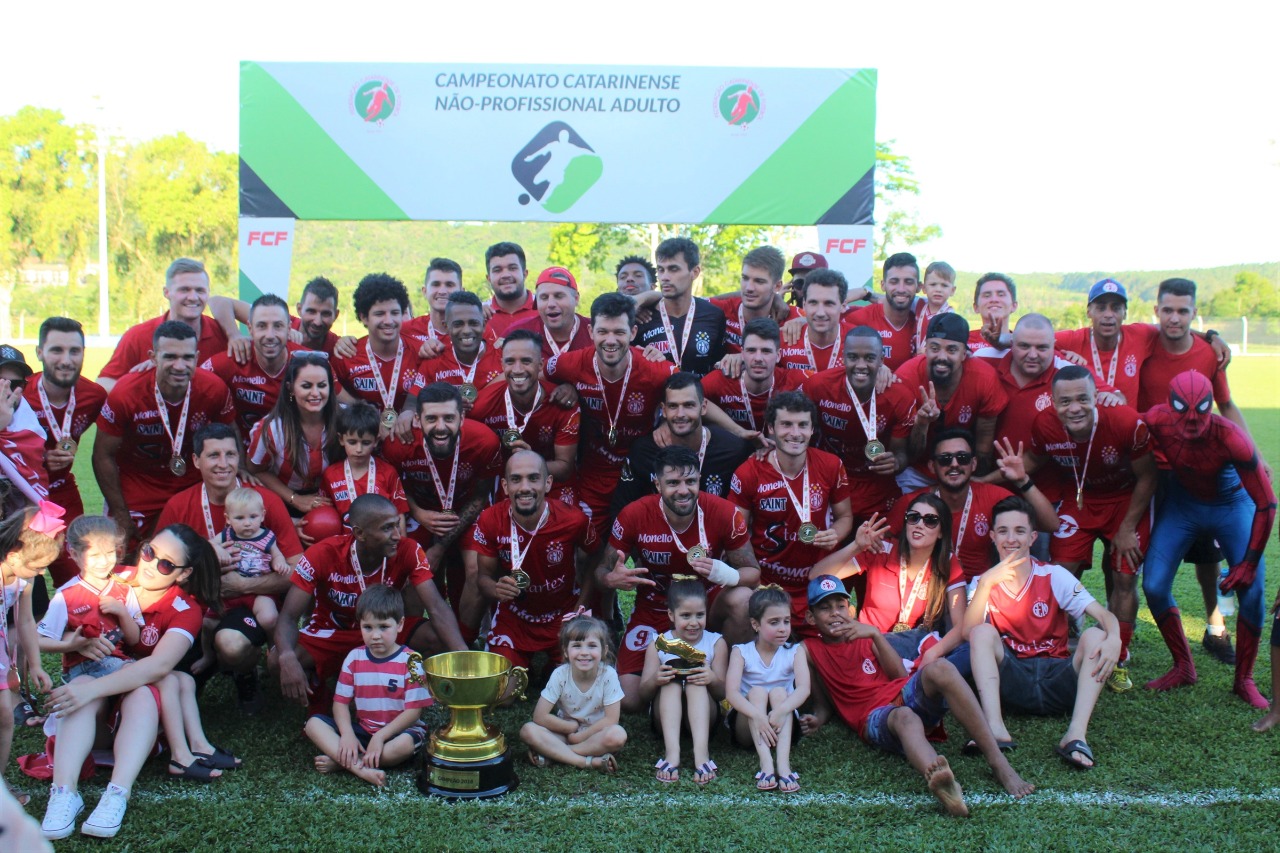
(60, 816)
(107, 817)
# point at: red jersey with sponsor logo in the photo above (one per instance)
(1032, 620)
(970, 540)
(1025, 402)
(734, 320)
(422, 330)
(186, 507)
(268, 447)
(841, 432)
(761, 490)
(330, 339)
(89, 399)
(379, 688)
(804, 356)
(1162, 366)
(634, 411)
(445, 367)
(500, 319)
(479, 459)
(380, 479)
(23, 450)
(77, 604)
(135, 345)
(641, 531)
(1119, 368)
(177, 611)
(327, 573)
(548, 557)
(254, 391)
(853, 678)
(579, 339)
(899, 343)
(886, 594)
(356, 374)
(977, 395)
(549, 426)
(1119, 438)
(729, 395)
(130, 414)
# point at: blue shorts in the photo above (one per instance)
(96, 668)
(363, 736)
(930, 710)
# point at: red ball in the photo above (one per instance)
(322, 522)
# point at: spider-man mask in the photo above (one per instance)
(1191, 398)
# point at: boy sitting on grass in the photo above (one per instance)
(387, 729)
(1017, 630)
(861, 678)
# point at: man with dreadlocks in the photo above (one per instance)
(1218, 487)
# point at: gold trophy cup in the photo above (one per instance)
(468, 759)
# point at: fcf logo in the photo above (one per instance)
(268, 238)
(846, 246)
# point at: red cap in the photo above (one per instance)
(557, 275)
(806, 261)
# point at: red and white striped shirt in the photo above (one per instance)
(379, 687)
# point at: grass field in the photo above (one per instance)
(1179, 770)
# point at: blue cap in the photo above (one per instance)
(825, 586)
(1107, 287)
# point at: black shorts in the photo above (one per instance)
(1039, 686)
(1204, 550)
(417, 732)
(241, 619)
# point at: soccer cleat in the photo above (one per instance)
(1120, 682)
(107, 817)
(1219, 647)
(249, 698)
(60, 816)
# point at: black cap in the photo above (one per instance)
(950, 327)
(13, 355)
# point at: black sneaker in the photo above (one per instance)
(1219, 648)
(249, 698)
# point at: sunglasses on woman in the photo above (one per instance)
(164, 566)
(961, 458)
(930, 519)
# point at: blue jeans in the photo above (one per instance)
(1182, 518)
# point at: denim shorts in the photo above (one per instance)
(97, 668)
(930, 710)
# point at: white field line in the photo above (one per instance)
(519, 801)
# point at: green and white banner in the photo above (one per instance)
(383, 141)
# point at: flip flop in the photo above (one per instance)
(537, 760)
(705, 773)
(672, 773)
(24, 712)
(23, 797)
(971, 748)
(197, 771)
(789, 784)
(1079, 746)
(219, 759)
(766, 781)
(608, 764)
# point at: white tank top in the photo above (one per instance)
(707, 645)
(780, 673)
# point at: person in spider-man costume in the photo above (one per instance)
(1221, 488)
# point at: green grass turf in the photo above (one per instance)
(1179, 770)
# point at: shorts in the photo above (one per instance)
(1079, 528)
(328, 653)
(717, 715)
(1204, 550)
(245, 601)
(594, 501)
(240, 619)
(96, 668)
(929, 709)
(1040, 686)
(518, 641)
(418, 732)
(643, 627)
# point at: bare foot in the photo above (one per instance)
(325, 764)
(1268, 722)
(202, 664)
(373, 775)
(943, 785)
(1014, 784)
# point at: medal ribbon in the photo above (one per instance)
(469, 374)
(182, 418)
(388, 398)
(446, 500)
(517, 556)
(1081, 475)
(669, 331)
(802, 507)
(1097, 360)
(702, 533)
(833, 360)
(370, 478)
(208, 513)
(909, 602)
(964, 517)
(551, 342)
(868, 420)
(65, 430)
(604, 397)
(512, 422)
(746, 396)
(355, 564)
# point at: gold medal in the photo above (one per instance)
(808, 532)
(899, 627)
(522, 579)
(697, 552)
(468, 392)
(874, 449)
(511, 436)
(388, 418)
(613, 436)
(67, 445)
(178, 466)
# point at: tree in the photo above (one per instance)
(1252, 296)
(897, 227)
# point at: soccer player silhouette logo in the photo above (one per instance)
(556, 167)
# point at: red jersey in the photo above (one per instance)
(548, 560)
(1118, 368)
(356, 374)
(735, 319)
(135, 345)
(731, 395)
(267, 447)
(641, 530)
(580, 338)
(1032, 621)
(549, 426)
(89, 399)
(23, 454)
(380, 479)
(77, 604)
(422, 330)
(803, 356)
(1161, 366)
(970, 528)
(130, 414)
(855, 681)
(379, 687)
(1119, 437)
(841, 432)
(977, 395)
(327, 572)
(1025, 401)
(479, 459)
(187, 507)
(330, 339)
(761, 489)
(445, 367)
(176, 611)
(886, 598)
(500, 319)
(254, 391)
(899, 342)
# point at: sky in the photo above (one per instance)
(1046, 137)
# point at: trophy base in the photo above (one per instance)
(468, 780)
